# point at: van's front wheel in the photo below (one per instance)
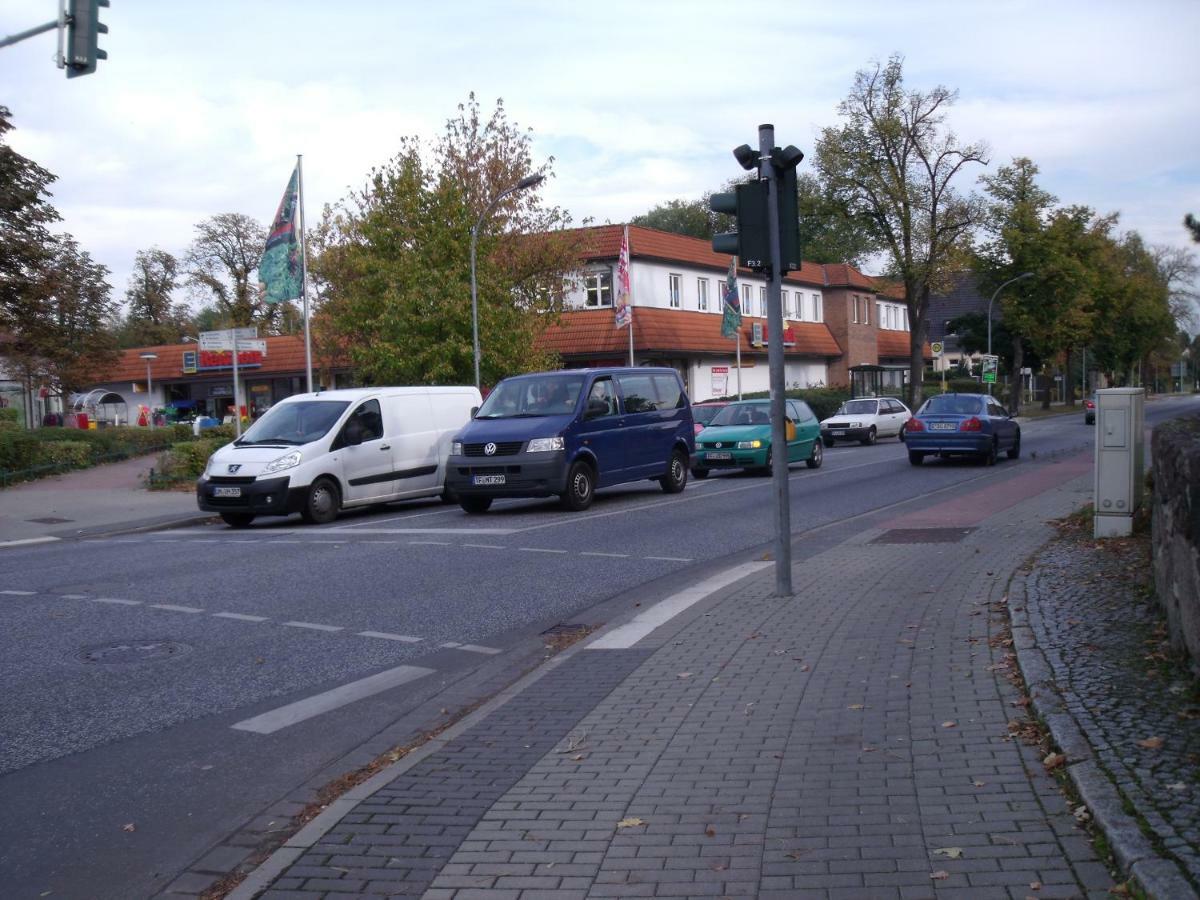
(238, 520)
(677, 474)
(581, 487)
(472, 504)
(322, 503)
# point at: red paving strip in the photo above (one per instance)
(973, 508)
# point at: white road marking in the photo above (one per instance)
(276, 719)
(625, 636)
(404, 638)
(19, 593)
(467, 532)
(669, 558)
(475, 648)
(241, 617)
(450, 644)
(315, 626)
(73, 596)
(165, 541)
(116, 600)
(378, 542)
(611, 555)
(540, 550)
(284, 541)
(24, 542)
(487, 546)
(432, 543)
(173, 607)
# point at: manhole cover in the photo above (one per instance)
(923, 536)
(50, 520)
(132, 652)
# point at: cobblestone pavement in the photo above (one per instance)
(850, 741)
(1104, 638)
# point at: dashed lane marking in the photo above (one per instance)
(73, 596)
(240, 617)
(609, 555)
(175, 607)
(540, 550)
(669, 558)
(383, 635)
(470, 648)
(315, 626)
(19, 593)
(116, 601)
(486, 546)
(432, 543)
(25, 542)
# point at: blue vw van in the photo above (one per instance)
(570, 432)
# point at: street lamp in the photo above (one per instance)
(995, 294)
(147, 356)
(526, 182)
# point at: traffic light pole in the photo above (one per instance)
(775, 367)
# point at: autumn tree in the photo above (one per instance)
(691, 218)
(892, 165)
(153, 316)
(392, 260)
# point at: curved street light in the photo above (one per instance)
(148, 357)
(995, 294)
(526, 182)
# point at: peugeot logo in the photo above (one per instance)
(234, 467)
(489, 449)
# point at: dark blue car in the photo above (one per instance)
(962, 425)
(570, 432)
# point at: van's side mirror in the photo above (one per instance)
(474, 409)
(352, 434)
(596, 409)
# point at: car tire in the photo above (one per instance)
(581, 487)
(900, 433)
(827, 441)
(700, 473)
(448, 495)
(475, 505)
(870, 438)
(1015, 450)
(322, 502)
(677, 474)
(766, 470)
(989, 457)
(915, 457)
(816, 457)
(238, 520)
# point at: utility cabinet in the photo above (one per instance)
(1120, 459)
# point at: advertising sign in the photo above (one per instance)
(990, 365)
(189, 362)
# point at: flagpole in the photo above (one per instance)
(738, 338)
(631, 334)
(237, 406)
(304, 272)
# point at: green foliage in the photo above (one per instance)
(824, 402)
(18, 450)
(68, 454)
(829, 231)
(687, 217)
(1192, 224)
(9, 414)
(187, 459)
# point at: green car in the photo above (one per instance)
(739, 437)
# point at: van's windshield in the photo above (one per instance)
(294, 423)
(543, 395)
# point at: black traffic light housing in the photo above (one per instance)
(751, 240)
(785, 162)
(83, 36)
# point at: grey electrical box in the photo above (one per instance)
(1120, 455)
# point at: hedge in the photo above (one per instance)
(67, 454)
(187, 459)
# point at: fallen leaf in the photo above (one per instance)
(978, 783)
(578, 757)
(1035, 885)
(1053, 761)
(856, 706)
(632, 822)
(719, 867)
(1151, 743)
(949, 852)
(939, 874)
(949, 724)
(710, 831)
(129, 827)
(684, 675)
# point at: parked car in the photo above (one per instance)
(318, 453)
(702, 413)
(570, 432)
(864, 420)
(739, 437)
(962, 425)
(1089, 410)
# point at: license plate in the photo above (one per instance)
(487, 479)
(718, 454)
(227, 492)
(942, 426)
(841, 432)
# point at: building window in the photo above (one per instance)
(597, 288)
(746, 310)
(762, 302)
(866, 310)
(854, 304)
(702, 294)
(787, 304)
(818, 313)
(676, 290)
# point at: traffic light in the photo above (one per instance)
(83, 36)
(785, 162)
(750, 241)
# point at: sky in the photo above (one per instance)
(201, 108)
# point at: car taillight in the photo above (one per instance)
(1090, 404)
(914, 425)
(971, 424)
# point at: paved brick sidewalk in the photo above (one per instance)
(852, 740)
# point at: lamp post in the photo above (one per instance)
(995, 294)
(149, 384)
(526, 182)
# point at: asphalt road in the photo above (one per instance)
(166, 680)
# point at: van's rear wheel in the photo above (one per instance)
(700, 473)
(581, 487)
(322, 503)
(677, 473)
(475, 504)
(238, 520)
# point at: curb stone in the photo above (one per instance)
(1158, 877)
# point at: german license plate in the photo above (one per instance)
(227, 492)
(487, 479)
(942, 426)
(718, 454)
(839, 432)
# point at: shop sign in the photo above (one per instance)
(189, 362)
(758, 335)
(223, 359)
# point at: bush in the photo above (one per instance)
(69, 454)
(823, 401)
(18, 450)
(187, 459)
(9, 414)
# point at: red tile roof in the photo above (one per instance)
(591, 332)
(896, 344)
(285, 353)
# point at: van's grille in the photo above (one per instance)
(230, 479)
(503, 448)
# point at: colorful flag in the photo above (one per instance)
(731, 321)
(624, 309)
(280, 272)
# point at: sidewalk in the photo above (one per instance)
(90, 501)
(867, 737)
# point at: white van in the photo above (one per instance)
(318, 453)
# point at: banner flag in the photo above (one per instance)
(623, 306)
(731, 321)
(280, 271)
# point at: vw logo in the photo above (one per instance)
(489, 449)
(234, 467)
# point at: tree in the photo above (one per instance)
(153, 316)
(1193, 225)
(692, 218)
(392, 265)
(891, 165)
(829, 231)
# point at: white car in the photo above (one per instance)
(864, 420)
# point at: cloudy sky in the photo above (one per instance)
(201, 107)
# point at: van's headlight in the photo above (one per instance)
(544, 445)
(749, 445)
(208, 466)
(456, 448)
(284, 462)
